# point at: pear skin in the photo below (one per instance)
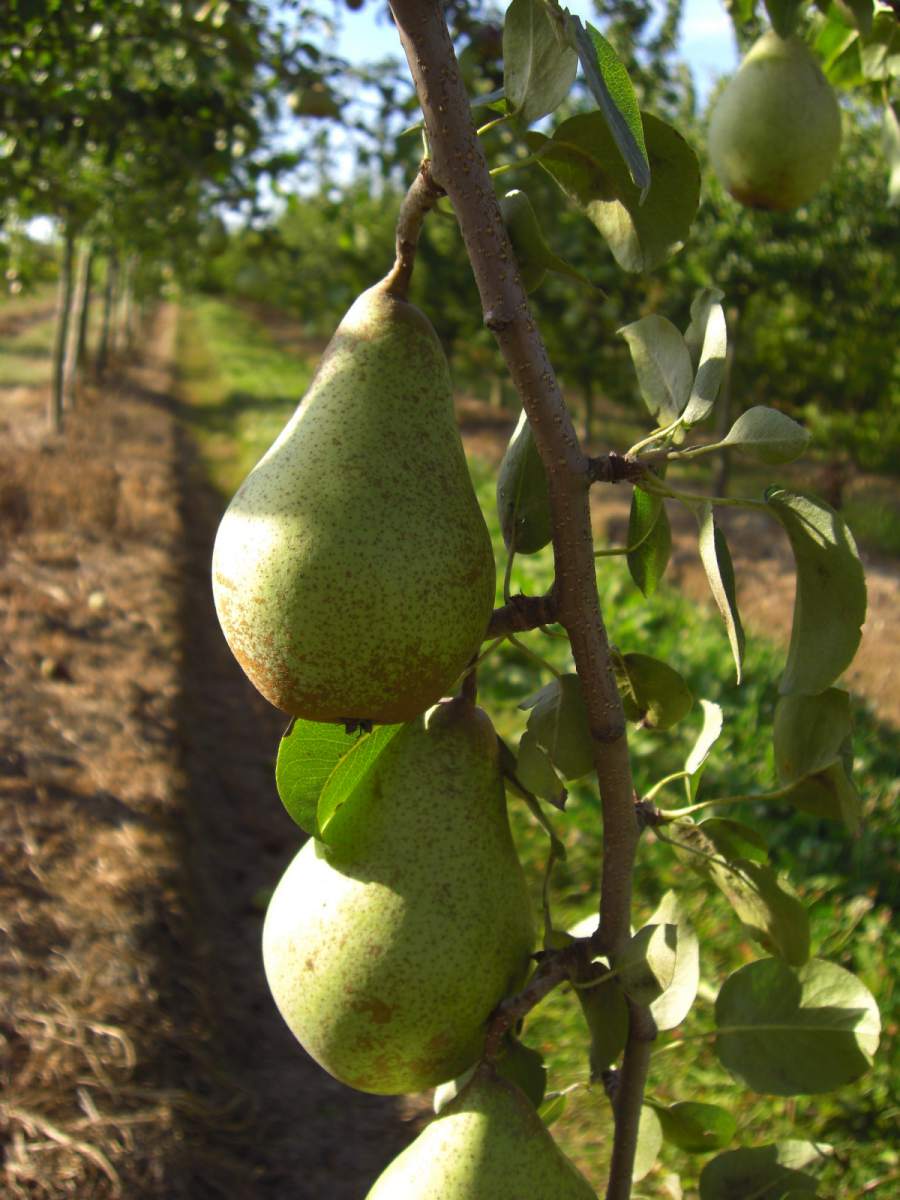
(487, 1144)
(353, 573)
(775, 131)
(387, 949)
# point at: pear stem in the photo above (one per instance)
(419, 200)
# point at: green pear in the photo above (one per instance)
(523, 498)
(387, 949)
(353, 573)
(775, 131)
(487, 1144)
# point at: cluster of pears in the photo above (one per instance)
(353, 577)
(775, 131)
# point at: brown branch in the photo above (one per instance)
(627, 1100)
(614, 468)
(419, 200)
(555, 966)
(521, 614)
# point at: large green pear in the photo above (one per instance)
(353, 573)
(487, 1144)
(387, 949)
(775, 131)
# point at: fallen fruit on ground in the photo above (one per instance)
(387, 949)
(487, 1144)
(775, 131)
(353, 572)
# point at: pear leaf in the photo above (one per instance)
(553, 1107)
(350, 771)
(558, 722)
(891, 142)
(534, 771)
(641, 232)
(523, 499)
(733, 839)
(646, 967)
(662, 364)
(702, 306)
(829, 794)
(695, 763)
(810, 733)
(795, 1032)
(307, 755)
(670, 1008)
(767, 436)
(716, 559)
(610, 86)
(696, 1128)
(784, 15)
(539, 67)
(518, 1063)
(653, 693)
(754, 1174)
(830, 603)
(711, 364)
(605, 1010)
(770, 914)
(649, 1144)
(650, 535)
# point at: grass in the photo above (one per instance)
(25, 358)
(238, 389)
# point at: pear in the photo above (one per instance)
(487, 1144)
(387, 949)
(523, 498)
(775, 131)
(353, 573)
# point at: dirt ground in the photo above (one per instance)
(140, 1053)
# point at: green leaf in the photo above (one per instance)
(583, 159)
(784, 15)
(760, 1173)
(534, 771)
(830, 603)
(716, 559)
(553, 1107)
(710, 359)
(891, 139)
(649, 1144)
(646, 967)
(670, 1009)
(559, 724)
(653, 693)
(787, 1032)
(307, 755)
(829, 794)
(662, 363)
(733, 839)
(767, 436)
(611, 87)
(539, 67)
(810, 733)
(523, 499)
(696, 1128)
(695, 763)
(350, 771)
(650, 533)
(605, 1010)
(770, 915)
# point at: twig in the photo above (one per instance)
(421, 197)
(523, 613)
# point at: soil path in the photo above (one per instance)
(140, 1053)
(764, 569)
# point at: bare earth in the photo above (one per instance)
(140, 1053)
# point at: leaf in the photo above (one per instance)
(646, 967)
(733, 839)
(829, 794)
(534, 771)
(611, 87)
(891, 139)
(769, 914)
(553, 1107)
(650, 533)
(767, 436)
(754, 1174)
(810, 732)
(653, 693)
(583, 159)
(350, 771)
(307, 755)
(605, 1010)
(559, 724)
(662, 364)
(784, 15)
(830, 603)
(670, 1009)
(523, 499)
(702, 305)
(695, 762)
(788, 1032)
(711, 365)
(649, 1144)
(539, 67)
(716, 559)
(696, 1128)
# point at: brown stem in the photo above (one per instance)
(521, 614)
(628, 1099)
(614, 468)
(556, 966)
(421, 197)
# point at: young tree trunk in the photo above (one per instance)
(74, 330)
(106, 330)
(63, 309)
(86, 308)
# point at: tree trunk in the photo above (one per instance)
(74, 330)
(63, 308)
(587, 399)
(86, 308)
(109, 292)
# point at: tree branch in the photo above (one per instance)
(421, 197)
(522, 613)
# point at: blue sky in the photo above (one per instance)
(707, 41)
